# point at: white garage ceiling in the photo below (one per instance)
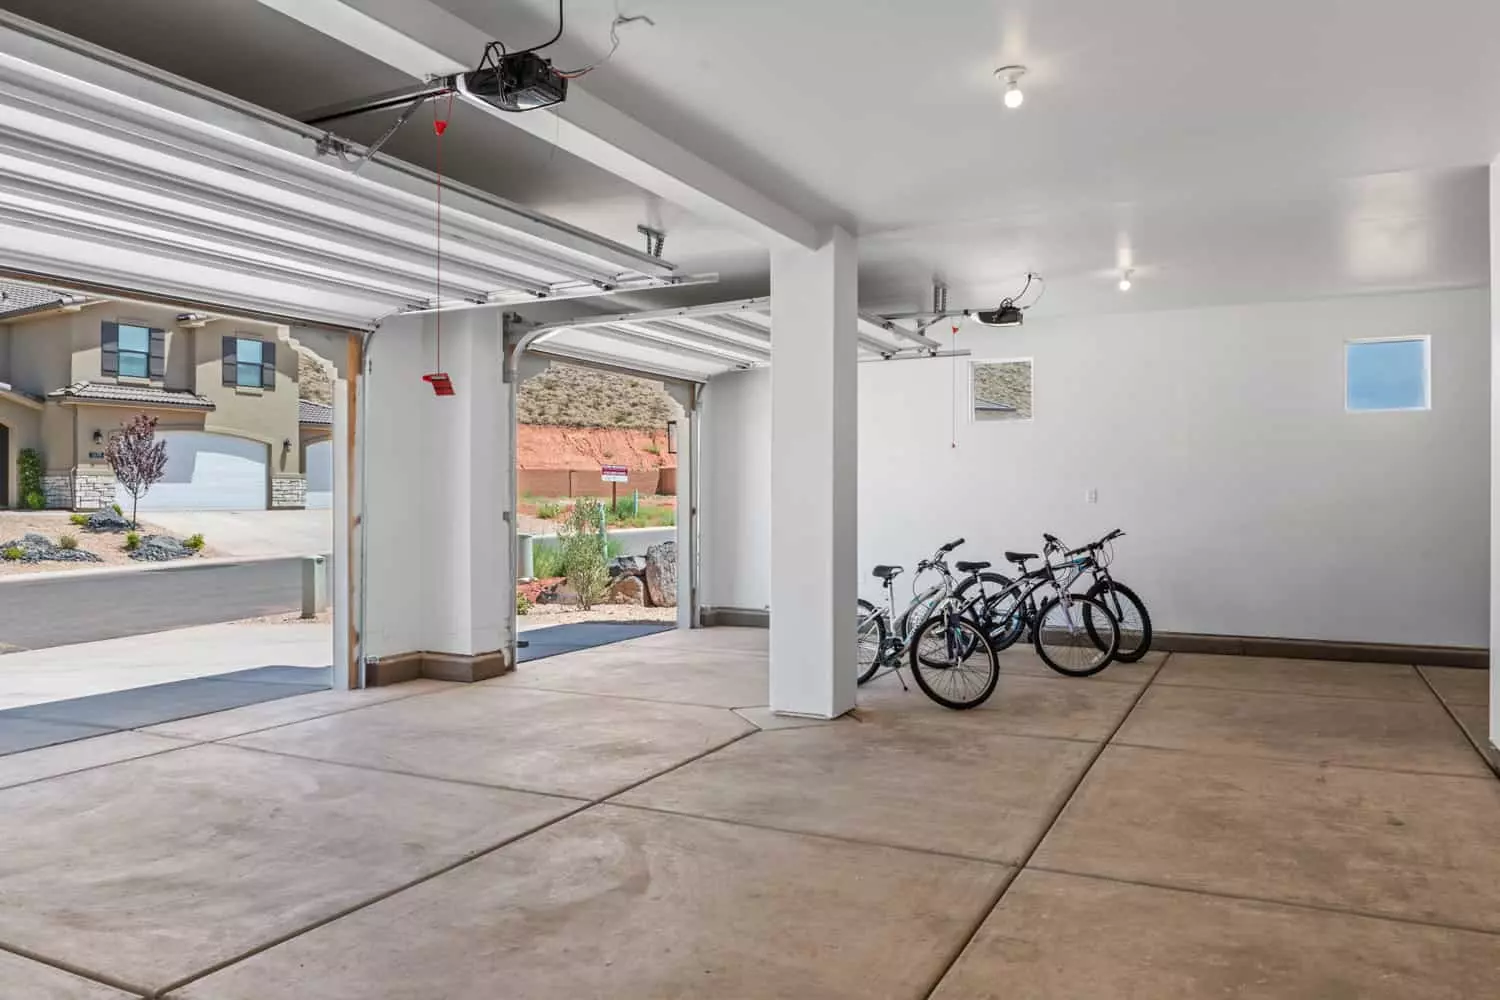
(1227, 152)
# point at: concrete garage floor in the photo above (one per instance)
(604, 824)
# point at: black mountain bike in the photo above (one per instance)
(1074, 634)
(1124, 604)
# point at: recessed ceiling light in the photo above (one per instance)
(1012, 77)
(1125, 280)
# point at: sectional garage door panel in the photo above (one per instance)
(320, 475)
(209, 472)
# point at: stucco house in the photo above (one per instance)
(224, 392)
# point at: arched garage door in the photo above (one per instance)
(319, 475)
(208, 472)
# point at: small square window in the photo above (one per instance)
(135, 351)
(1387, 374)
(248, 355)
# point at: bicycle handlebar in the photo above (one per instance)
(951, 545)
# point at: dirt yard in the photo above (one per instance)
(53, 524)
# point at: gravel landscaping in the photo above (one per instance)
(96, 549)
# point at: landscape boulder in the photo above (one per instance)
(557, 592)
(161, 548)
(661, 575)
(38, 548)
(105, 519)
(627, 590)
(627, 566)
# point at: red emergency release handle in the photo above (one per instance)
(441, 384)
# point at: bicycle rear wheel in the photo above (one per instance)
(869, 640)
(1135, 622)
(954, 662)
(1075, 635)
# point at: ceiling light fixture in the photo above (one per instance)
(1012, 77)
(1125, 279)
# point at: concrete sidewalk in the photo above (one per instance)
(37, 676)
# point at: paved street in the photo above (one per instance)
(56, 611)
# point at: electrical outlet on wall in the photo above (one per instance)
(1091, 496)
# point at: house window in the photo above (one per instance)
(135, 351)
(248, 357)
(1001, 390)
(1391, 374)
(249, 363)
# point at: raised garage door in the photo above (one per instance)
(320, 475)
(208, 472)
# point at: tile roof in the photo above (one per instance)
(309, 412)
(6, 389)
(132, 395)
(21, 298)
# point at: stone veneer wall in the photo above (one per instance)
(58, 490)
(288, 492)
(93, 490)
(79, 490)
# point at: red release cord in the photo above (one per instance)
(439, 126)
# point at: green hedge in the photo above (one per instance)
(29, 471)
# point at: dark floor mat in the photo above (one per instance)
(18, 733)
(555, 639)
(318, 676)
(34, 726)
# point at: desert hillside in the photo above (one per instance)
(565, 396)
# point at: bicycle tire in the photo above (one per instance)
(1002, 628)
(1131, 604)
(970, 643)
(869, 614)
(1068, 636)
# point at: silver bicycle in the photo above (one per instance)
(945, 644)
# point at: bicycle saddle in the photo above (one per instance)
(886, 573)
(971, 567)
(1019, 557)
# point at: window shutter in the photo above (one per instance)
(268, 365)
(109, 349)
(158, 367)
(230, 360)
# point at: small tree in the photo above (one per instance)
(139, 460)
(585, 554)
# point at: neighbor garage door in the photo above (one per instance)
(320, 475)
(208, 472)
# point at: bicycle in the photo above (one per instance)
(1074, 634)
(950, 657)
(1129, 610)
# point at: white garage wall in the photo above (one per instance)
(734, 492)
(1217, 438)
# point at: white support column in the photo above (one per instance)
(344, 502)
(1494, 452)
(441, 575)
(464, 456)
(687, 521)
(814, 309)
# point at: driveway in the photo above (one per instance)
(254, 532)
(108, 605)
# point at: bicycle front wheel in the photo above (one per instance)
(1135, 623)
(869, 640)
(954, 662)
(1076, 635)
